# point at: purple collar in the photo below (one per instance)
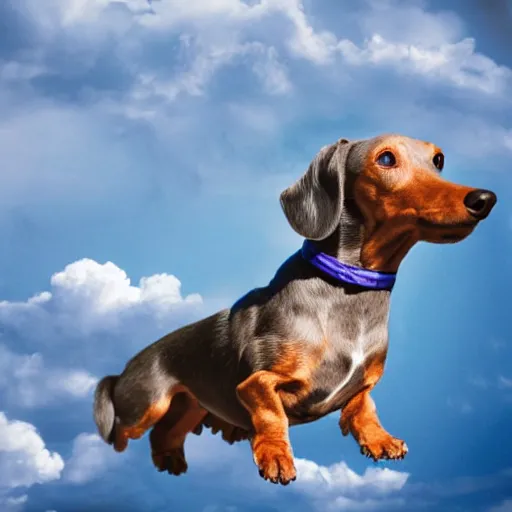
(351, 274)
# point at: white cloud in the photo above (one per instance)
(411, 22)
(89, 297)
(337, 487)
(90, 458)
(324, 488)
(175, 12)
(208, 59)
(77, 158)
(78, 10)
(26, 381)
(408, 38)
(505, 506)
(100, 289)
(339, 478)
(272, 73)
(13, 503)
(315, 46)
(24, 459)
(19, 500)
(456, 63)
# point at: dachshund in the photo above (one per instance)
(315, 339)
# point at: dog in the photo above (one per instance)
(315, 339)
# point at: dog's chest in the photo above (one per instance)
(342, 371)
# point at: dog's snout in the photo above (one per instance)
(479, 203)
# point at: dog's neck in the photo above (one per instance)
(346, 242)
(351, 243)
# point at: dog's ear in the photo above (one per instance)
(314, 203)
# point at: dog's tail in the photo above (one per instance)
(104, 413)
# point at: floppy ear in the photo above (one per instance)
(314, 203)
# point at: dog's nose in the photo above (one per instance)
(479, 203)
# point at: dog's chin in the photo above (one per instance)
(453, 238)
(448, 234)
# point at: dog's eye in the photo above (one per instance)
(438, 161)
(387, 159)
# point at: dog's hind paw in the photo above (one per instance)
(230, 433)
(173, 461)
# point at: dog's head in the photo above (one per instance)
(395, 185)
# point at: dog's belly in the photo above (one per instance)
(333, 385)
(220, 399)
(228, 409)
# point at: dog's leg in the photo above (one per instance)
(135, 417)
(271, 447)
(135, 431)
(230, 433)
(167, 438)
(359, 417)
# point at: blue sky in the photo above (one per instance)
(144, 147)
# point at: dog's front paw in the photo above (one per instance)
(383, 446)
(173, 461)
(275, 461)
